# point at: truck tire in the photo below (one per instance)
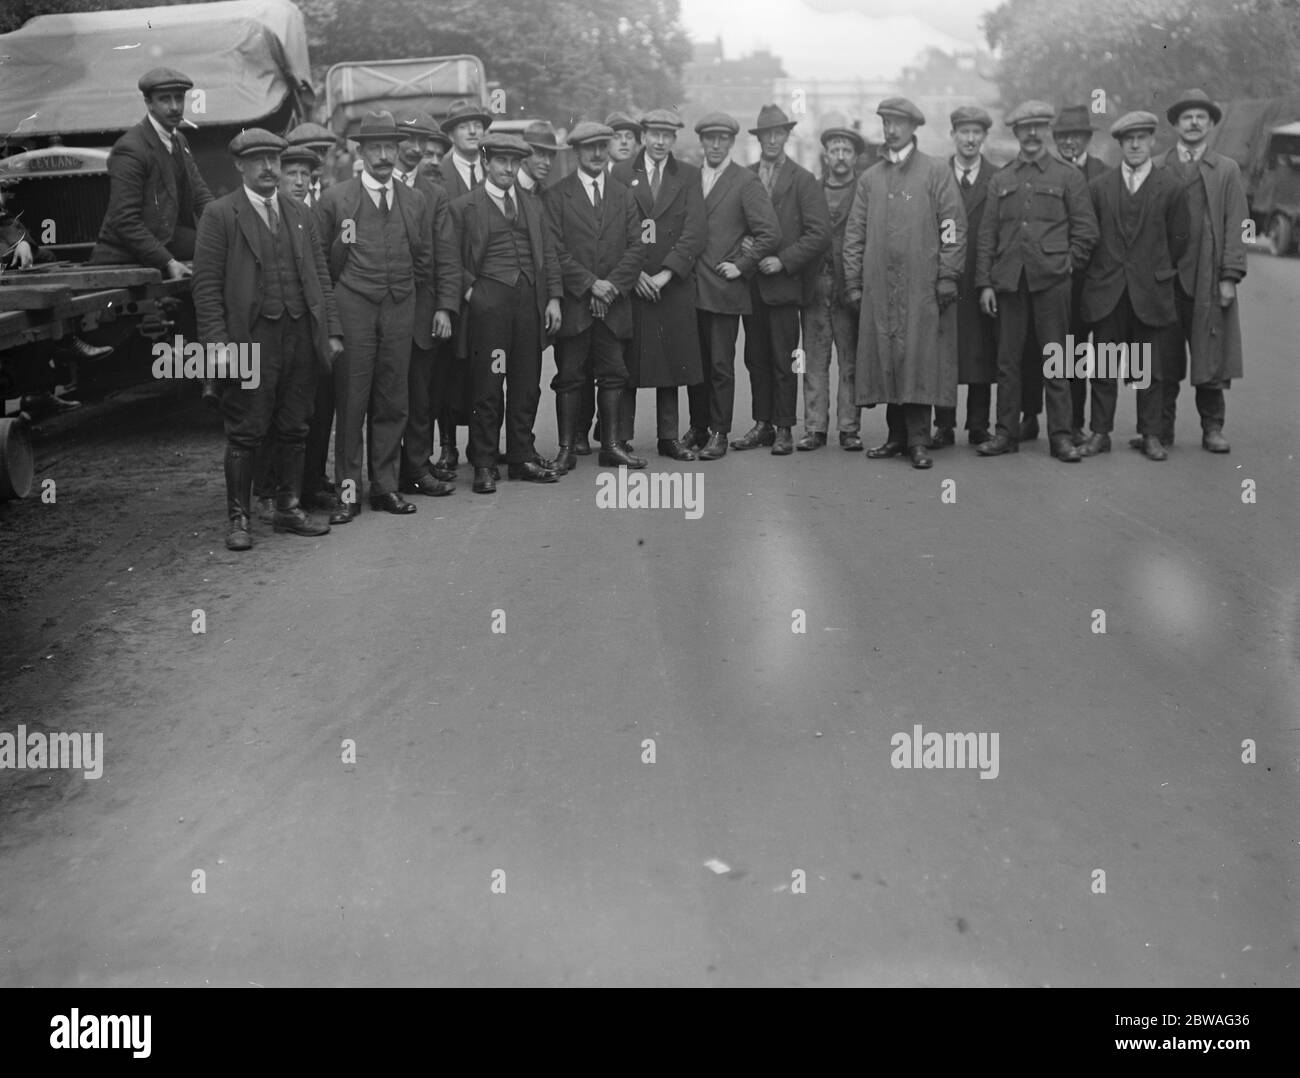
(17, 463)
(1280, 232)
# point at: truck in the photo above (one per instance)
(1263, 136)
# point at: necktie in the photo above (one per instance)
(596, 202)
(654, 180)
(272, 215)
(1130, 178)
(509, 204)
(965, 178)
(473, 176)
(383, 198)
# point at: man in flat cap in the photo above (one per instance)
(260, 281)
(321, 141)
(462, 169)
(977, 341)
(904, 252)
(513, 286)
(596, 227)
(1209, 271)
(665, 349)
(1039, 230)
(379, 237)
(627, 137)
(536, 168)
(829, 319)
(736, 205)
(785, 283)
(1128, 293)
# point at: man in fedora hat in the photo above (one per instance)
(379, 236)
(1038, 230)
(1209, 271)
(785, 282)
(828, 319)
(1128, 292)
(904, 252)
(977, 342)
(511, 303)
(260, 281)
(736, 206)
(665, 349)
(465, 124)
(536, 168)
(597, 231)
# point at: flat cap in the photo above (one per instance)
(415, 122)
(256, 140)
(664, 118)
(770, 117)
(541, 136)
(836, 125)
(164, 78)
(464, 110)
(1194, 99)
(504, 145)
(590, 132)
(901, 106)
(717, 121)
(622, 121)
(376, 126)
(1073, 118)
(300, 155)
(970, 114)
(1134, 121)
(310, 134)
(1031, 112)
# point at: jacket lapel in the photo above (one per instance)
(784, 181)
(669, 184)
(244, 213)
(161, 155)
(722, 185)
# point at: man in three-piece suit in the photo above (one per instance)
(596, 226)
(785, 283)
(379, 236)
(665, 349)
(1128, 292)
(260, 280)
(511, 303)
(736, 206)
(977, 341)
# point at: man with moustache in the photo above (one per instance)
(904, 251)
(536, 168)
(260, 279)
(433, 310)
(596, 227)
(1037, 231)
(977, 343)
(1128, 293)
(436, 148)
(736, 206)
(1209, 271)
(828, 319)
(379, 235)
(785, 282)
(513, 286)
(665, 350)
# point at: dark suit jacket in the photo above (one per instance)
(835, 256)
(445, 293)
(142, 199)
(977, 347)
(678, 213)
(1144, 261)
(469, 216)
(805, 222)
(451, 177)
(227, 283)
(736, 207)
(590, 250)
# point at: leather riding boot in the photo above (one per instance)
(567, 406)
(239, 487)
(289, 516)
(611, 453)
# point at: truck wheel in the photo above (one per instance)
(17, 463)
(1279, 231)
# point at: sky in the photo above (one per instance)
(837, 39)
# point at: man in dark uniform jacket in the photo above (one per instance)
(1128, 294)
(379, 236)
(785, 282)
(665, 349)
(512, 283)
(596, 226)
(260, 280)
(1038, 228)
(977, 341)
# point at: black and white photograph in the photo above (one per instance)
(651, 493)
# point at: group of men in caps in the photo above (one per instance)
(421, 292)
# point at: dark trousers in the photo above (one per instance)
(979, 401)
(417, 440)
(370, 389)
(771, 338)
(447, 388)
(1122, 326)
(712, 400)
(1048, 312)
(318, 433)
(666, 414)
(1210, 401)
(1078, 386)
(596, 355)
(279, 409)
(908, 424)
(504, 332)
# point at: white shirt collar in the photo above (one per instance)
(590, 182)
(372, 183)
(1141, 172)
(407, 178)
(959, 168)
(722, 167)
(463, 167)
(902, 155)
(1191, 153)
(257, 200)
(495, 191)
(163, 133)
(524, 180)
